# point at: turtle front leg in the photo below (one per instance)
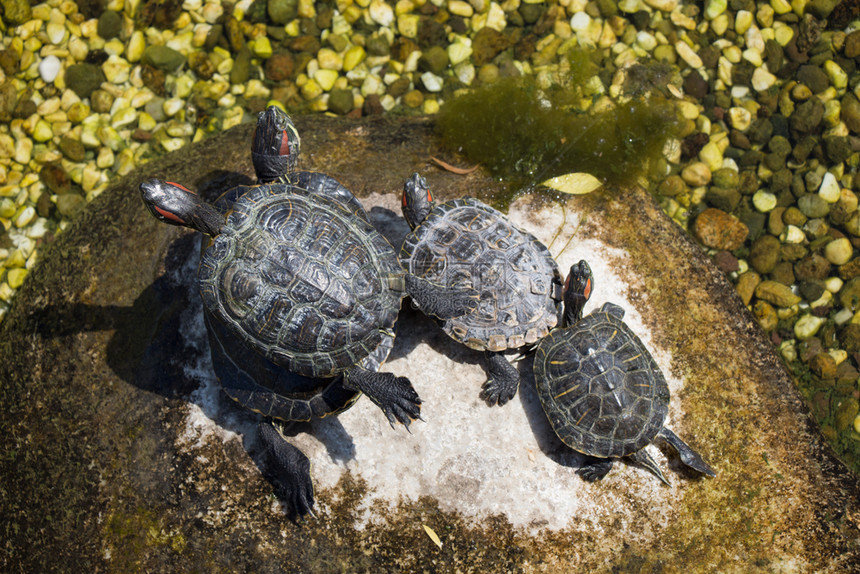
(595, 468)
(503, 382)
(439, 301)
(290, 468)
(394, 395)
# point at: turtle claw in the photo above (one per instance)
(394, 395)
(503, 382)
(290, 470)
(595, 470)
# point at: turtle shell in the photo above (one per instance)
(602, 391)
(301, 277)
(467, 244)
(263, 387)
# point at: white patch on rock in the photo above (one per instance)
(473, 459)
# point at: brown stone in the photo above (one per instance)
(719, 230)
(823, 365)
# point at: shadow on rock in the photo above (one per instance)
(159, 345)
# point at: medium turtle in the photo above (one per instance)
(600, 388)
(297, 282)
(465, 244)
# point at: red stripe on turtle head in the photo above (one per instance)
(285, 143)
(169, 214)
(182, 187)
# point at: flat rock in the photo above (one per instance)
(121, 454)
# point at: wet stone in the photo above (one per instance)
(850, 111)
(726, 177)
(852, 45)
(341, 101)
(434, 60)
(766, 315)
(775, 222)
(747, 282)
(807, 116)
(783, 272)
(73, 149)
(845, 413)
(70, 204)
(84, 79)
(110, 24)
(764, 254)
(695, 85)
(823, 365)
(850, 270)
(723, 198)
(55, 178)
(813, 77)
(776, 293)
(813, 206)
(813, 266)
(717, 229)
(280, 66)
(672, 186)
(486, 45)
(849, 337)
(164, 58)
(849, 295)
(202, 65)
(726, 262)
(760, 131)
(837, 148)
(811, 290)
(9, 61)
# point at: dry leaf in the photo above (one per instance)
(574, 183)
(432, 535)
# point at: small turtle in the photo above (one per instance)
(296, 281)
(466, 244)
(600, 388)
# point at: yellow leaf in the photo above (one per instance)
(574, 183)
(432, 535)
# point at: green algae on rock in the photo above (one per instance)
(523, 132)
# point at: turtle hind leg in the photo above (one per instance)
(643, 458)
(595, 468)
(394, 395)
(503, 382)
(688, 456)
(439, 301)
(290, 469)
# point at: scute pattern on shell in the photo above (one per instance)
(304, 280)
(599, 386)
(466, 244)
(263, 387)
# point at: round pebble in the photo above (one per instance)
(49, 68)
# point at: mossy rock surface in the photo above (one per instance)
(120, 455)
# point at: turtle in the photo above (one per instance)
(466, 244)
(296, 283)
(601, 389)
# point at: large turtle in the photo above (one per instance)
(466, 244)
(600, 388)
(297, 282)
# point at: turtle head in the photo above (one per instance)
(275, 149)
(174, 204)
(417, 200)
(577, 290)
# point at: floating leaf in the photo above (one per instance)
(432, 535)
(574, 183)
